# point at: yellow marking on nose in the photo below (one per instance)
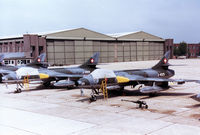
(43, 76)
(121, 79)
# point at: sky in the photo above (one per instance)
(177, 19)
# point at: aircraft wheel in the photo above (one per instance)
(93, 98)
(146, 106)
(18, 90)
(46, 84)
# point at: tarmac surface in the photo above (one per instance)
(41, 111)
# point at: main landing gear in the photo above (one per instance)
(93, 95)
(18, 89)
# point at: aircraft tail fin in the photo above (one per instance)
(1, 59)
(163, 63)
(39, 61)
(92, 61)
(40, 58)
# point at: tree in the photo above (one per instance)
(183, 48)
(176, 51)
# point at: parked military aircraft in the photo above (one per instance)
(68, 77)
(4, 69)
(16, 74)
(155, 79)
(9, 70)
(57, 76)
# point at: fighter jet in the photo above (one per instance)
(6, 69)
(54, 76)
(16, 74)
(68, 77)
(154, 79)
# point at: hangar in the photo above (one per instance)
(77, 45)
(74, 46)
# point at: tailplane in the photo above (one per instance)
(91, 62)
(163, 63)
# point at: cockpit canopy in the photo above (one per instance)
(103, 73)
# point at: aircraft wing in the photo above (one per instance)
(134, 78)
(5, 72)
(54, 74)
(31, 81)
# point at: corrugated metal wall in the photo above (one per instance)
(67, 52)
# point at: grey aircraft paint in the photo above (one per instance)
(156, 78)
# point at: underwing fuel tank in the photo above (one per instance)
(64, 83)
(113, 87)
(151, 89)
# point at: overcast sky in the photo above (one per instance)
(178, 19)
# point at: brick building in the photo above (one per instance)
(28, 45)
(193, 50)
(77, 45)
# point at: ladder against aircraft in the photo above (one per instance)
(26, 82)
(104, 88)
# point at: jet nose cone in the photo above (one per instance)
(85, 81)
(9, 77)
(82, 82)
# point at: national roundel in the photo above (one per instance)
(165, 60)
(91, 60)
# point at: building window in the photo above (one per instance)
(23, 61)
(28, 61)
(40, 49)
(32, 50)
(12, 61)
(6, 62)
(18, 62)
